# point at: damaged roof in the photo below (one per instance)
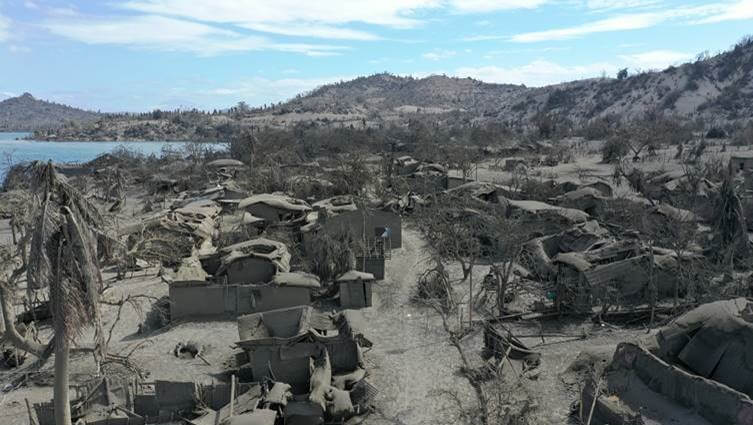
(290, 325)
(536, 207)
(278, 201)
(299, 279)
(354, 275)
(226, 162)
(273, 251)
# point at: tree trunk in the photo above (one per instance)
(9, 330)
(61, 402)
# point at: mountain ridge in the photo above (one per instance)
(717, 89)
(27, 113)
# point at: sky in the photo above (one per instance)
(139, 55)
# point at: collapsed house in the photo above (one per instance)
(562, 187)
(101, 401)
(192, 300)
(248, 277)
(225, 168)
(253, 261)
(226, 193)
(484, 192)
(540, 252)
(587, 199)
(548, 218)
(318, 355)
(180, 232)
(314, 187)
(697, 370)
(618, 273)
(276, 209)
(421, 177)
(428, 178)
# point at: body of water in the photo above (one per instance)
(13, 150)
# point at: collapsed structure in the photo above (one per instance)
(695, 371)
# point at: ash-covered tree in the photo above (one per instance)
(63, 256)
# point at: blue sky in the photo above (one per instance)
(137, 55)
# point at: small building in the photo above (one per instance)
(253, 261)
(512, 164)
(355, 289)
(279, 344)
(276, 208)
(741, 161)
(428, 178)
(207, 300)
(375, 227)
(225, 168)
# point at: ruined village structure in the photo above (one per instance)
(544, 269)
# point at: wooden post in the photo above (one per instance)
(470, 300)
(32, 421)
(232, 394)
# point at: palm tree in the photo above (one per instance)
(64, 255)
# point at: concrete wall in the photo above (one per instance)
(197, 300)
(250, 270)
(355, 294)
(194, 301)
(453, 182)
(366, 223)
(718, 403)
(739, 164)
(427, 184)
(373, 265)
(291, 363)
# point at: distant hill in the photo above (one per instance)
(718, 89)
(26, 113)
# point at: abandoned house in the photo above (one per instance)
(381, 230)
(276, 209)
(547, 218)
(225, 168)
(208, 300)
(405, 165)
(355, 289)
(253, 261)
(697, 370)
(279, 344)
(741, 161)
(181, 231)
(582, 285)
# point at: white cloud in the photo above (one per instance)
(4, 28)
(737, 11)
(706, 13)
(438, 54)
(30, 4)
(617, 23)
(258, 90)
(620, 4)
(537, 73)
(475, 6)
(394, 13)
(308, 30)
(15, 48)
(168, 34)
(656, 59)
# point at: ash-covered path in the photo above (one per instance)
(412, 364)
